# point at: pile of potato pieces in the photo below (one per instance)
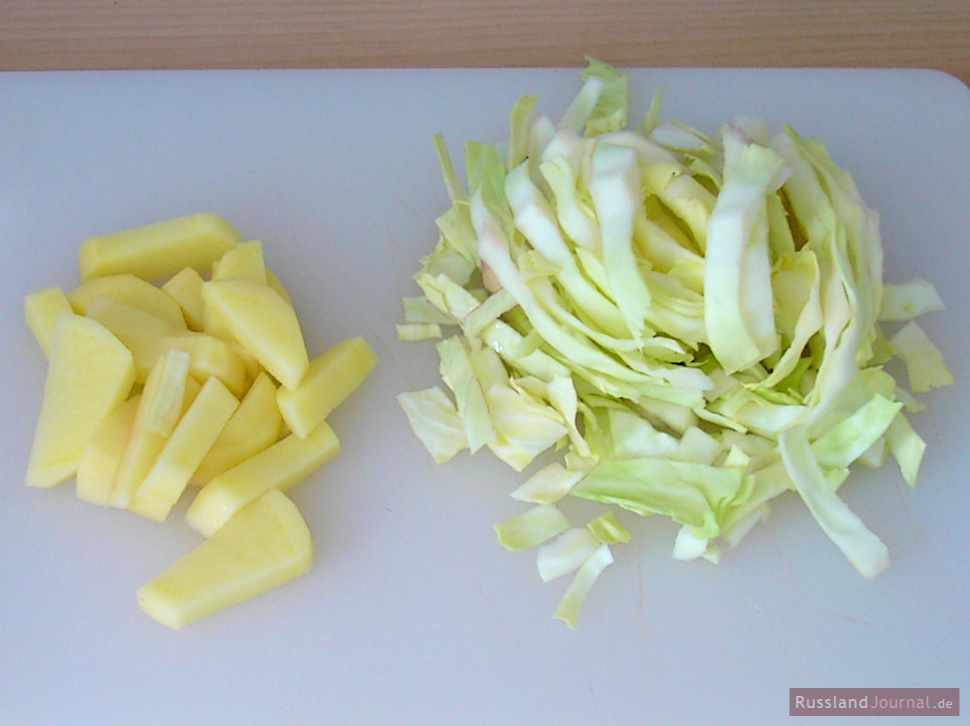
(179, 362)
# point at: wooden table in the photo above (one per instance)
(99, 34)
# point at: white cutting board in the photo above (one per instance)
(413, 614)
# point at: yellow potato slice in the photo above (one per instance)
(89, 374)
(146, 349)
(184, 449)
(144, 445)
(210, 357)
(282, 465)
(41, 309)
(253, 427)
(264, 546)
(157, 251)
(274, 282)
(149, 337)
(243, 262)
(263, 323)
(185, 287)
(99, 461)
(141, 332)
(131, 291)
(165, 409)
(252, 366)
(123, 319)
(212, 324)
(330, 379)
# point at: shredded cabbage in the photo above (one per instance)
(664, 322)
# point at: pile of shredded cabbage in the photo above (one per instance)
(694, 323)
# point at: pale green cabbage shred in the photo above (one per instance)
(693, 323)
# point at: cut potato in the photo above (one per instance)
(157, 251)
(274, 282)
(166, 405)
(184, 449)
(213, 325)
(133, 292)
(330, 379)
(143, 333)
(185, 287)
(168, 366)
(89, 374)
(149, 337)
(41, 310)
(253, 427)
(264, 546)
(264, 323)
(99, 462)
(243, 262)
(285, 463)
(123, 319)
(252, 366)
(144, 445)
(210, 357)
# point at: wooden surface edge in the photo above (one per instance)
(103, 35)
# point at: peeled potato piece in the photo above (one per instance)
(41, 310)
(184, 449)
(265, 545)
(263, 323)
(185, 287)
(330, 379)
(130, 290)
(100, 459)
(157, 251)
(89, 374)
(145, 444)
(282, 465)
(253, 427)
(243, 262)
